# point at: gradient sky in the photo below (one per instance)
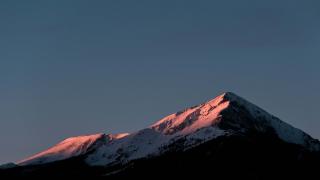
(80, 67)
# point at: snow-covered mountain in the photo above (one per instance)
(7, 166)
(226, 115)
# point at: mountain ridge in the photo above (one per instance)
(226, 115)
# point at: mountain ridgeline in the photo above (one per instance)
(227, 137)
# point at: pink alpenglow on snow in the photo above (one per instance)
(192, 119)
(218, 117)
(71, 147)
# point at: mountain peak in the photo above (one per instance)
(231, 112)
(196, 117)
(229, 94)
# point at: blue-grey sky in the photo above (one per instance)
(79, 67)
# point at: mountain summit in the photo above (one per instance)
(226, 117)
(232, 113)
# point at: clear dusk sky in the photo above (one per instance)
(78, 67)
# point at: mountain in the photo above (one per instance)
(8, 166)
(225, 131)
